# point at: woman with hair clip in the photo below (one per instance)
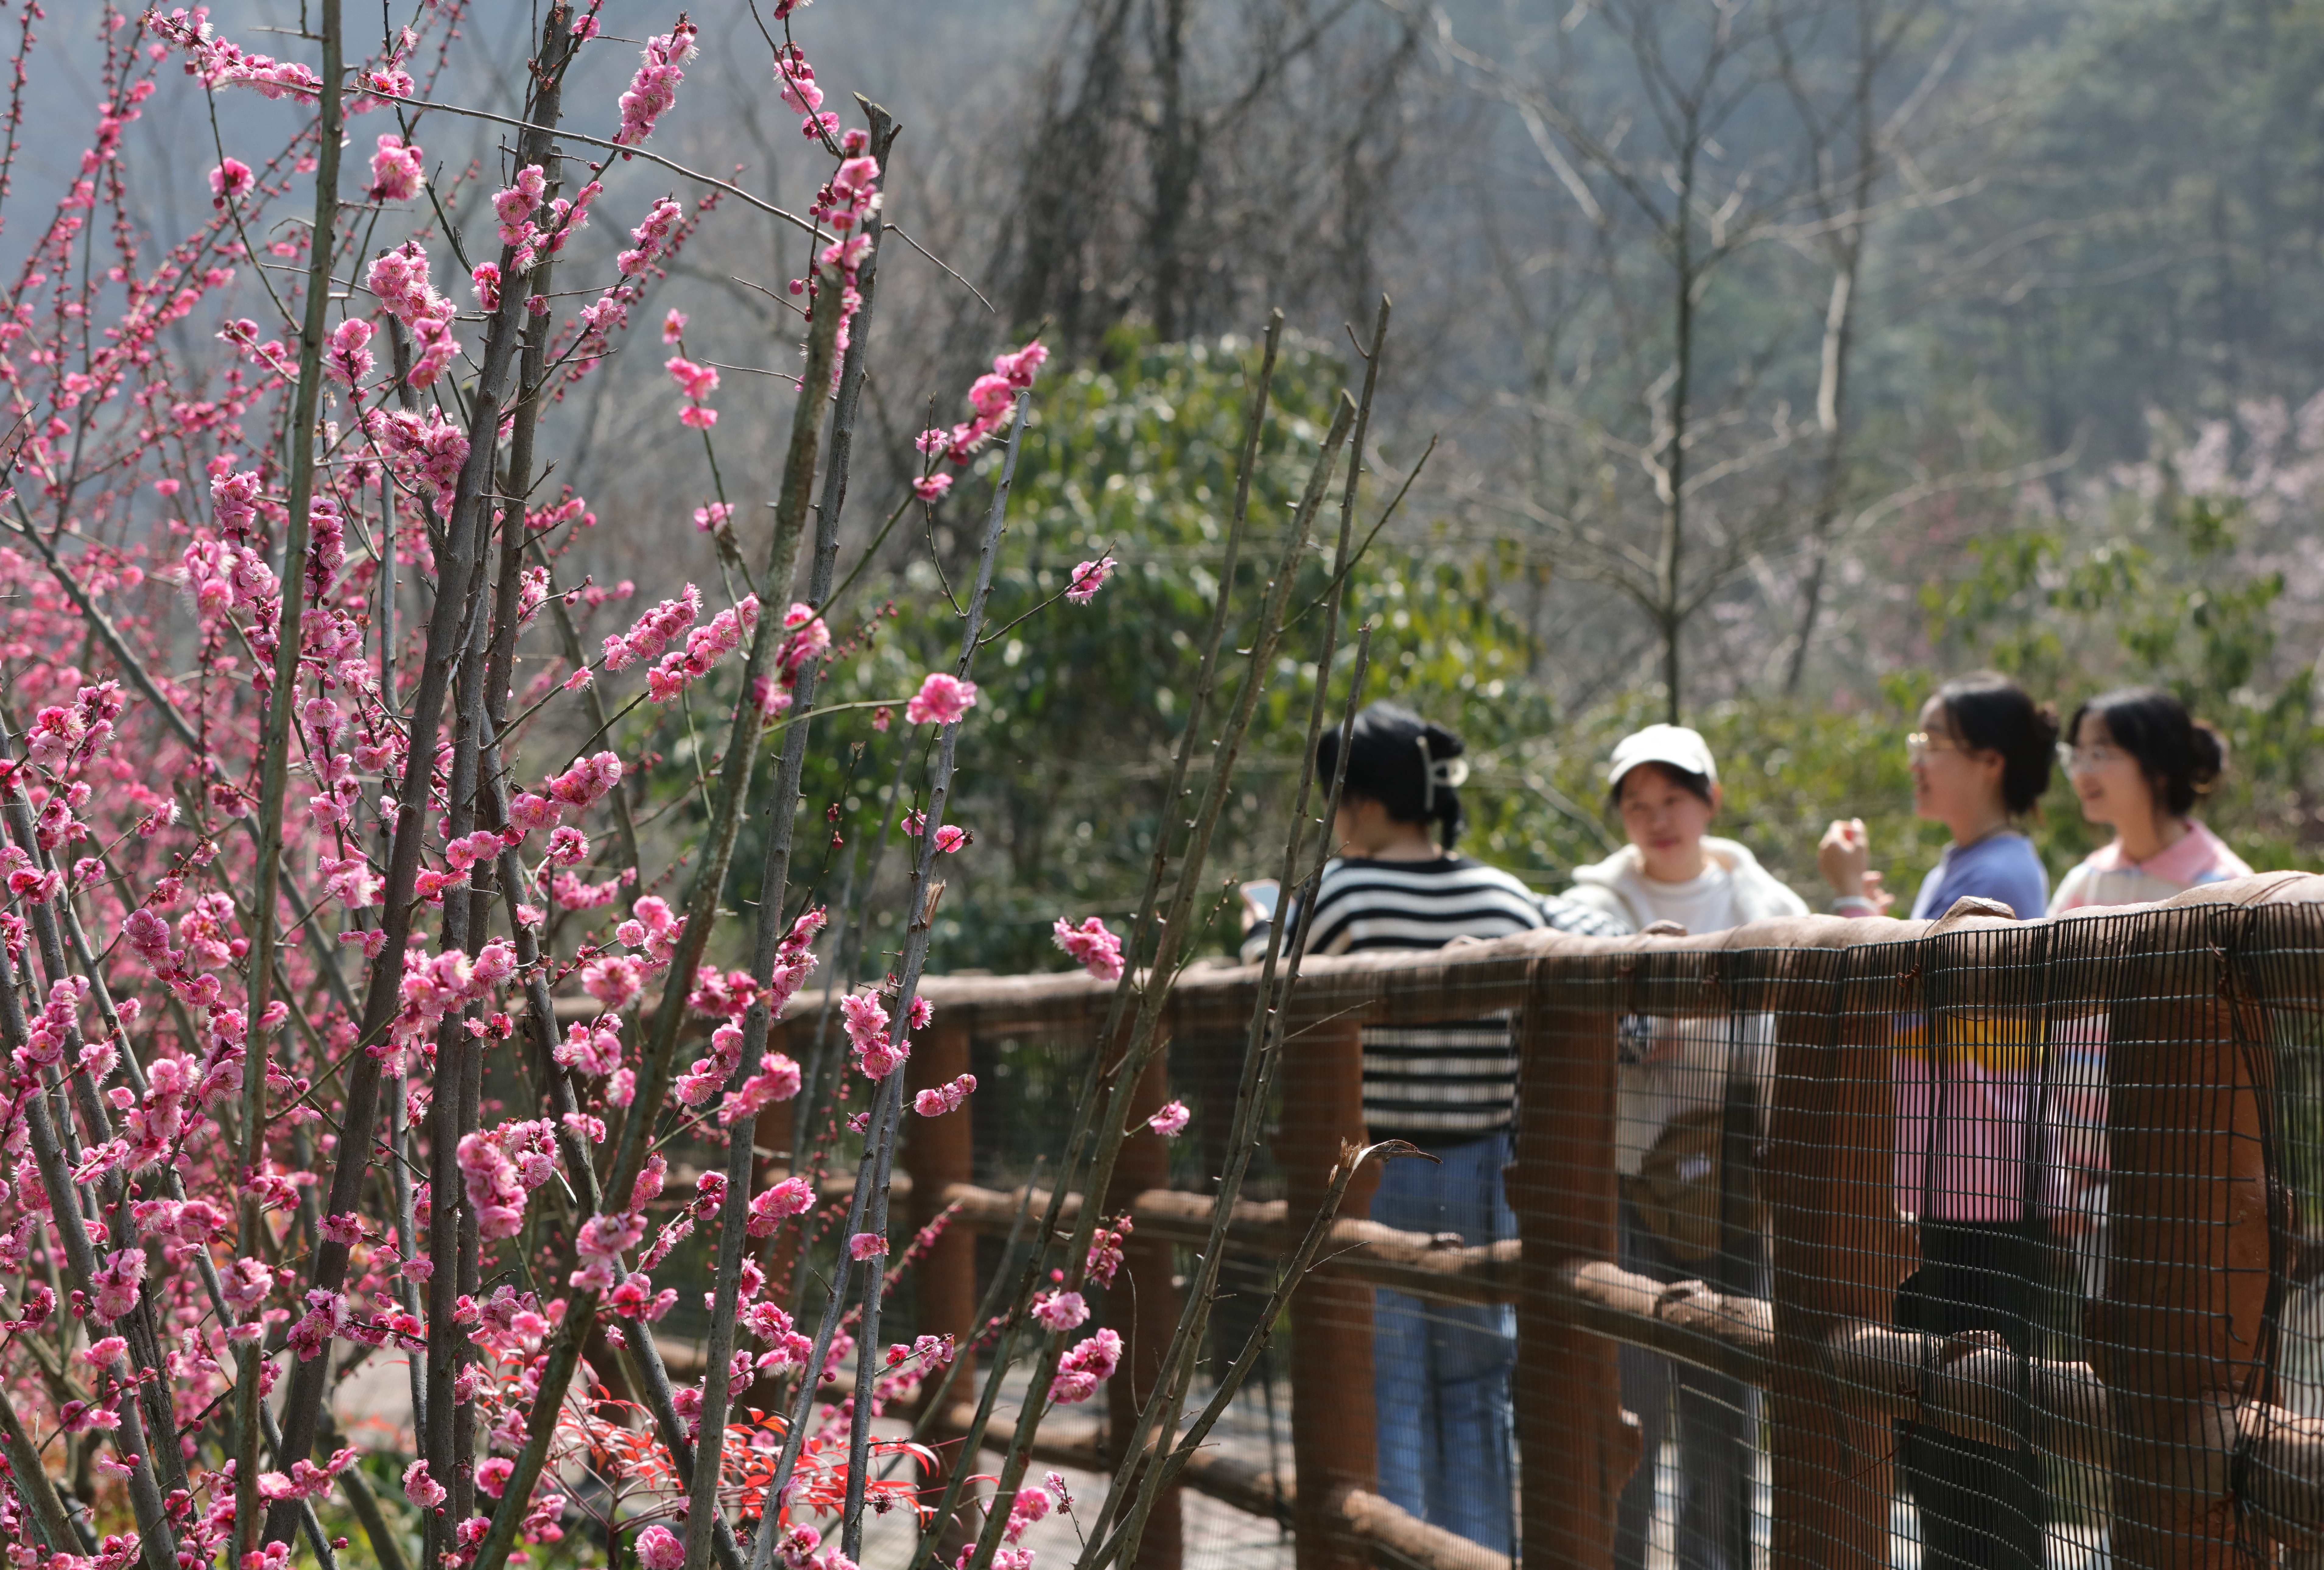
(2140, 761)
(1440, 1372)
(1980, 762)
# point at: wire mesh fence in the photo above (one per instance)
(1825, 1242)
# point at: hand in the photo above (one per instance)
(1845, 858)
(1253, 912)
(1875, 892)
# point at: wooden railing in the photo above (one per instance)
(2177, 1398)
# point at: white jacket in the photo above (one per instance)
(1669, 1066)
(1617, 886)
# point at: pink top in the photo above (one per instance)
(1982, 1099)
(2108, 877)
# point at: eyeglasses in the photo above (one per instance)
(2076, 760)
(1921, 744)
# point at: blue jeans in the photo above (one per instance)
(1440, 1370)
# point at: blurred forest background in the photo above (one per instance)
(1782, 357)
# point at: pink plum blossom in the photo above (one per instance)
(942, 700)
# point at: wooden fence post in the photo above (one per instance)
(1575, 1450)
(1146, 1285)
(1333, 1438)
(1838, 1251)
(941, 1150)
(2178, 1336)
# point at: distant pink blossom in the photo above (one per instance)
(931, 487)
(867, 1246)
(673, 326)
(1171, 1121)
(936, 1102)
(1088, 579)
(650, 94)
(1095, 949)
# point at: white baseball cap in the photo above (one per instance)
(1674, 745)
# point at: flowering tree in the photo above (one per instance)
(294, 875)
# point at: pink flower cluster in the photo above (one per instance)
(421, 1489)
(500, 1168)
(697, 382)
(526, 240)
(1060, 1310)
(650, 243)
(651, 240)
(791, 1196)
(1088, 579)
(992, 396)
(396, 169)
(586, 781)
(219, 63)
(117, 1282)
(850, 196)
(426, 449)
(348, 360)
(1092, 947)
(866, 1018)
(654, 89)
(801, 94)
(1086, 1366)
(652, 632)
(942, 699)
(658, 1547)
(704, 648)
(231, 178)
(399, 278)
(593, 1050)
(778, 1080)
(614, 980)
(601, 1242)
(938, 1100)
(1171, 1121)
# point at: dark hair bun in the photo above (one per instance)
(2210, 755)
(1989, 713)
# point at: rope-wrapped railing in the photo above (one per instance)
(2178, 1398)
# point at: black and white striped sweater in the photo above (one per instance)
(1440, 1083)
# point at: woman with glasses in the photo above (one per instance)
(2140, 761)
(1980, 760)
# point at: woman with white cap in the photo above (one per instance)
(1681, 1087)
(1664, 784)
